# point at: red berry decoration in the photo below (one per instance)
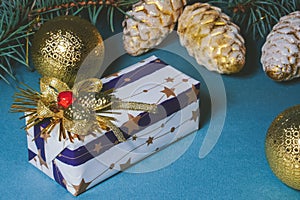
(65, 99)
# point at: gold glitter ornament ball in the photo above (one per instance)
(63, 45)
(283, 147)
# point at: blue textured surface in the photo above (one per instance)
(235, 169)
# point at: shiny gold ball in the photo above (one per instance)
(63, 45)
(283, 147)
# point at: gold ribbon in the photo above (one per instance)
(83, 116)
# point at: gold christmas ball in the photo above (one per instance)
(283, 147)
(65, 45)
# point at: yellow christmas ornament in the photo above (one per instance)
(283, 147)
(65, 45)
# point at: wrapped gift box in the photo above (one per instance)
(84, 163)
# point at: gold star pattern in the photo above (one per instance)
(64, 182)
(113, 75)
(42, 161)
(150, 141)
(125, 165)
(134, 138)
(195, 115)
(81, 187)
(132, 123)
(172, 129)
(185, 80)
(192, 95)
(168, 92)
(97, 147)
(45, 136)
(169, 80)
(127, 79)
(112, 166)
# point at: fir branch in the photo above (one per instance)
(256, 17)
(14, 30)
(21, 18)
(94, 8)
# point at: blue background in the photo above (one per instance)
(235, 169)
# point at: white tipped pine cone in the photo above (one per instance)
(210, 37)
(281, 52)
(150, 24)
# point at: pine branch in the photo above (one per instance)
(21, 18)
(14, 31)
(256, 17)
(54, 7)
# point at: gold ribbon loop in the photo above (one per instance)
(50, 87)
(90, 85)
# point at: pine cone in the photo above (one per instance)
(210, 37)
(281, 52)
(150, 24)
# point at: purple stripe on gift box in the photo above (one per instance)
(58, 177)
(82, 154)
(134, 75)
(31, 155)
(39, 142)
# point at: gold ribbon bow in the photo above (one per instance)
(79, 111)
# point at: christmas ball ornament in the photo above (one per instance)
(210, 37)
(283, 147)
(150, 23)
(281, 52)
(63, 44)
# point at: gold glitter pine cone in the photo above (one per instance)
(281, 51)
(210, 37)
(150, 24)
(63, 44)
(283, 146)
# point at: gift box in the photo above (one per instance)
(80, 164)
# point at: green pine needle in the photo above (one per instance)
(21, 18)
(256, 17)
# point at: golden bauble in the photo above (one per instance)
(283, 146)
(65, 45)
